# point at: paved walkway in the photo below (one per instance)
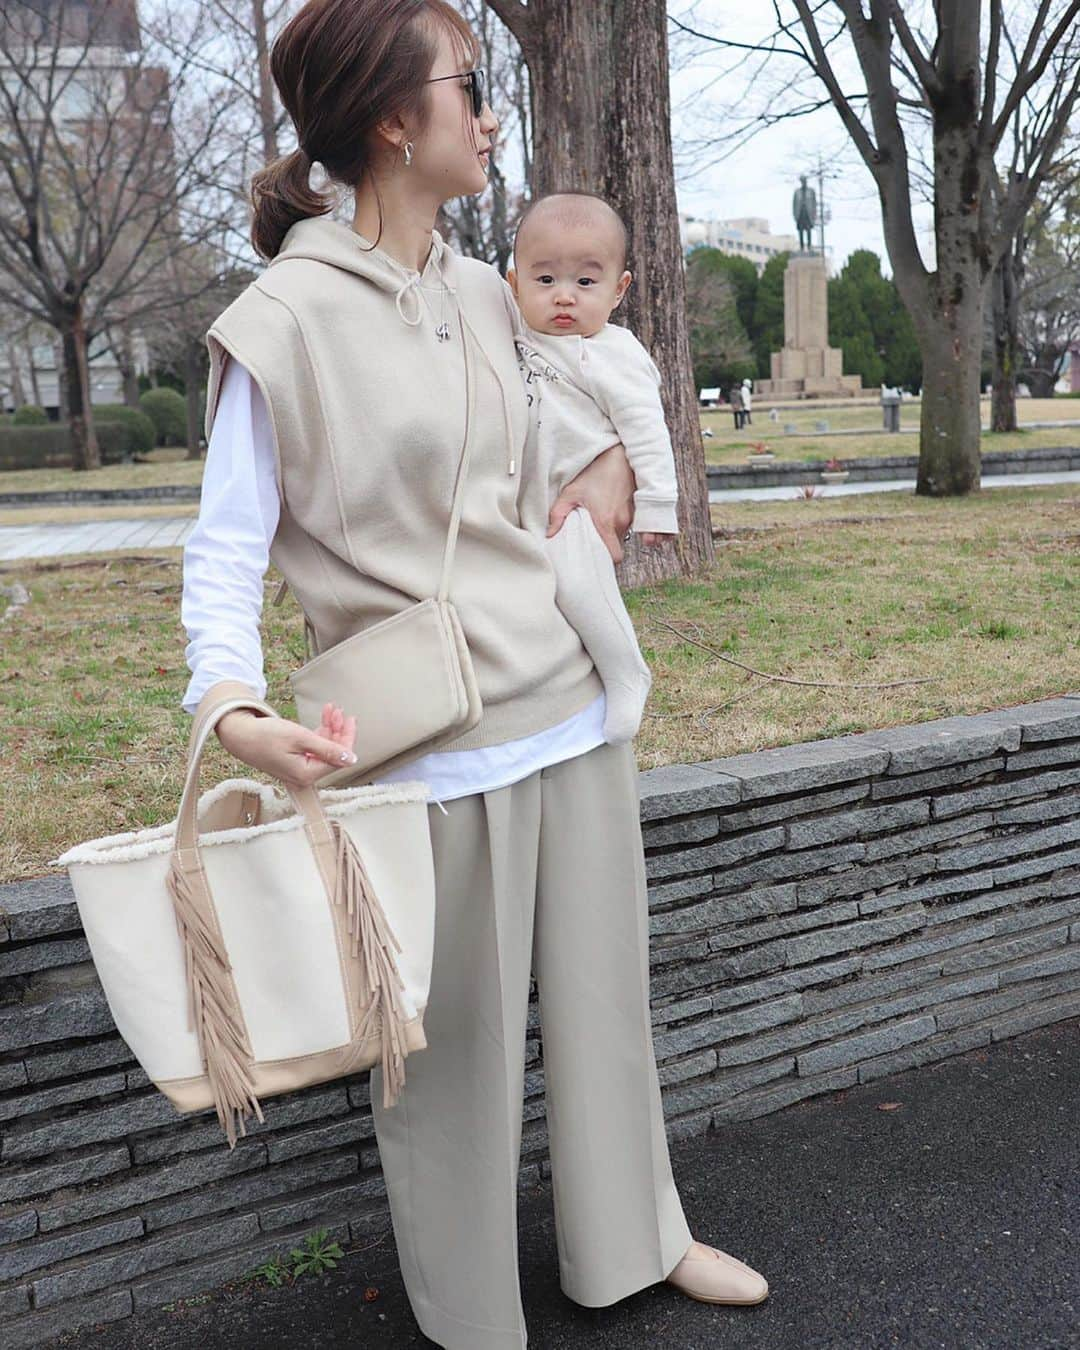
(786, 491)
(92, 536)
(949, 1221)
(96, 536)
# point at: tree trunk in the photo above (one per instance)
(63, 401)
(18, 398)
(951, 413)
(193, 379)
(951, 334)
(1044, 377)
(35, 383)
(267, 119)
(85, 453)
(1006, 325)
(125, 359)
(602, 123)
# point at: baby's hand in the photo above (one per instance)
(651, 540)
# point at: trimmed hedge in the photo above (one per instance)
(144, 434)
(29, 415)
(49, 447)
(168, 411)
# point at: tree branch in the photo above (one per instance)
(823, 70)
(520, 20)
(1024, 81)
(924, 67)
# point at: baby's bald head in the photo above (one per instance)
(571, 211)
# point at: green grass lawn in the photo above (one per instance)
(980, 595)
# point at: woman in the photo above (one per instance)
(335, 413)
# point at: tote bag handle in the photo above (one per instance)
(214, 1011)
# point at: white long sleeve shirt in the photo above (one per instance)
(225, 560)
(593, 392)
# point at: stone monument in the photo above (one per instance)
(806, 366)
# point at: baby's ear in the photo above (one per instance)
(511, 277)
(623, 285)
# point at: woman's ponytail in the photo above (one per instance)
(280, 196)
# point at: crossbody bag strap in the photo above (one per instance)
(463, 469)
(458, 501)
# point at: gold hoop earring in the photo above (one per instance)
(408, 153)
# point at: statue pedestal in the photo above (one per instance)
(807, 367)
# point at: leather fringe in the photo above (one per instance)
(380, 982)
(212, 1011)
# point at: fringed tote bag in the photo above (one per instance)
(259, 942)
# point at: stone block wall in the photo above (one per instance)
(821, 915)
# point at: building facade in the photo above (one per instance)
(747, 237)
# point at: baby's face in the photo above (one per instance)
(567, 281)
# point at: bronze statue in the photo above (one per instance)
(804, 206)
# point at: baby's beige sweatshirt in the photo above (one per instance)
(368, 409)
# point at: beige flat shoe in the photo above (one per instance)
(712, 1276)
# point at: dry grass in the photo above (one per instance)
(981, 594)
(74, 515)
(728, 446)
(166, 465)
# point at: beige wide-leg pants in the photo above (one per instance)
(546, 874)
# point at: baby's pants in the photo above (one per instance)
(545, 875)
(587, 592)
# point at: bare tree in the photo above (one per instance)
(1035, 288)
(935, 71)
(105, 158)
(483, 226)
(601, 117)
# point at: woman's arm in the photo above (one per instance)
(606, 488)
(228, 551)
(225, 561)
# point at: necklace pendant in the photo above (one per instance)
(443, 332)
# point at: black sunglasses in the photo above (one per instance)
(476, 87)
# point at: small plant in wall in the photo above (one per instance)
(275, 1272)
(316, 1255)
(834, 471)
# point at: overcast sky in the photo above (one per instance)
(759, 178)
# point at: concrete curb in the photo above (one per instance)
(868, 468)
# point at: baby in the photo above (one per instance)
(594, 385)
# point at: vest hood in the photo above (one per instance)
(334, 242)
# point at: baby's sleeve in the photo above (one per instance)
(624, 381)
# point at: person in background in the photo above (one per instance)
(747, 402)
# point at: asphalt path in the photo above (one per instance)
(935, 1210)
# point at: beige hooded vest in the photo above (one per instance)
(367, 404)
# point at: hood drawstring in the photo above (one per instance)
(400, 296)
(442, 332)
(508, 426)
(412, 286)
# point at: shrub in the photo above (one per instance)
(142, 433)
(168, 411)
(49, 447)
(30, 415)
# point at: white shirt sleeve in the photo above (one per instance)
(624, 381)
(228, 551)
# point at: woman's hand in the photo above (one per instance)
(287, 750)
(606, 489)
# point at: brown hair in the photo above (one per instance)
(341, 67)
(575, 208)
